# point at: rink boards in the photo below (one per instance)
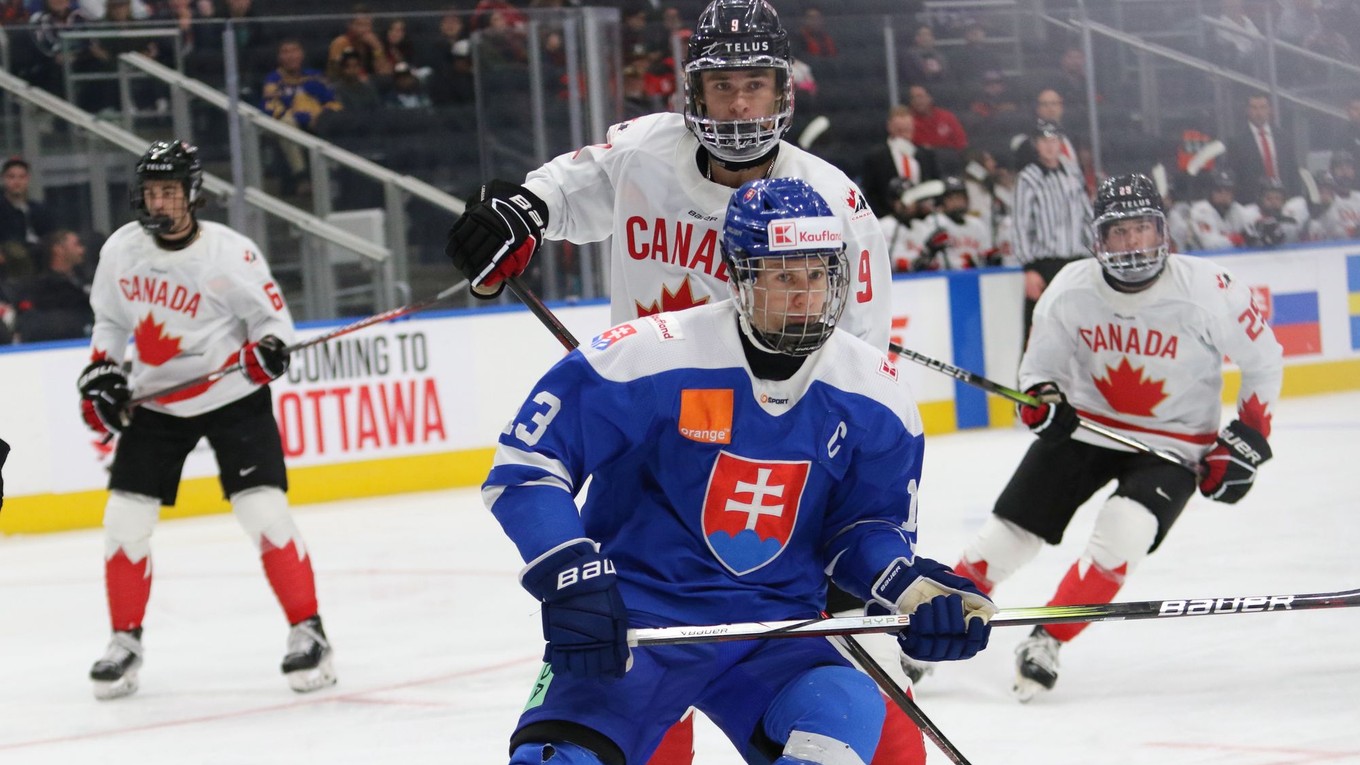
(418, 404)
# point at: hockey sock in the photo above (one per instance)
(677, 746)
(263, 513)
(128, 522)
(129, 588)
(1094, 585)
(976, 571)
(900, 742)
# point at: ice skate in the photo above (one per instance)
(307, 664)
(1036, 664)
(915, 670)
(115, 674)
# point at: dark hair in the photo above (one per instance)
(15, 162)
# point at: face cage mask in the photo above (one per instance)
(1132, 266)
(738, 140)
(159, 224)
(795, 339)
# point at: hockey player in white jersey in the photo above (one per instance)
(956, 239)
(738, 453)
(196, 297)
(659, 184)
(659, 187)
(903, 227)
(1219, 222)
(1133, 340)
(1268, 223)
(1341, 219)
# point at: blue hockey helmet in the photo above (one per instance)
(785, 255)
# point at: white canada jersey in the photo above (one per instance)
(905, 242)
(1342, 218)
(188, 311)
(969, 241)
(643, 188)
(1218, 231)
(1150, 364)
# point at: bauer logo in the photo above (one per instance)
(602, 342)
(1226, 605)
(706, 416)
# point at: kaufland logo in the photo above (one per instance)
(805, 234)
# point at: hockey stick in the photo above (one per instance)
(977, 381)
(544, 314)
(857, 652)
(1007, 617)
(899, 697)
(218, 374)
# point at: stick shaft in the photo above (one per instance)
(909, 707)
(1007, 617)
(977, 381)
(218, 374)
(544, 314)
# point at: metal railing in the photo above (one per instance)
(32, 98)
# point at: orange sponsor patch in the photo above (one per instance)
(706, 416)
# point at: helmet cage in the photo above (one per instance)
(738, 140)
(754, 309)
(1131, 266)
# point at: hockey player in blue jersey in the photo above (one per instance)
(738, 452)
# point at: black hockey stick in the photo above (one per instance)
(1007, 617)
(978, 381)
(857, 652)
(218, 374)
(899, 697)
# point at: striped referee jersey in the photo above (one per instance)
(1052, 214)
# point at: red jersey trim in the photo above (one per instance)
(1201, 439)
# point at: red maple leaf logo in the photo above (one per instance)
(1129, 391)
(98, 355)
(671, 301)
(1256, 413)
(154, 347)
(851, 199)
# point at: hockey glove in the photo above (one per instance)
(584, 620)
(949, 615)
(264, 361)
(1230, 467)
(1053, 419)
(103, 396)
(496, 235)
(935, 244)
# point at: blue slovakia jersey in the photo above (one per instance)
(718, 496)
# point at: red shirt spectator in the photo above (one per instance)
(936, 128)
(812, 40)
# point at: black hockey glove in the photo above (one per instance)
(1053, 419)
(103, 397)
(949, 614)
(584, 620)
(264, 361)
(935, 244)
(497, 235)
(1230, 467)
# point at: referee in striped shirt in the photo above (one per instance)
(1052, 216)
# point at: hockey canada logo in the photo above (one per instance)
(751, 509)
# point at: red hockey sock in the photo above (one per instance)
(292, 580)
(677, 746)
(1100, 585)
(901, 742)
(129, 587)
(976, 571)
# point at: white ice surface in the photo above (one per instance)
(437, 646)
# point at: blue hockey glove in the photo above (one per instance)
(949, 615)
(584, 620)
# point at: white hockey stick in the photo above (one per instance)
(1007, 617)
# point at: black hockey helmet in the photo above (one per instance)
(1341, 157)
(953, 184)
(167, 161)
(739, 34)
(1221, 179)
(1132, 257)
